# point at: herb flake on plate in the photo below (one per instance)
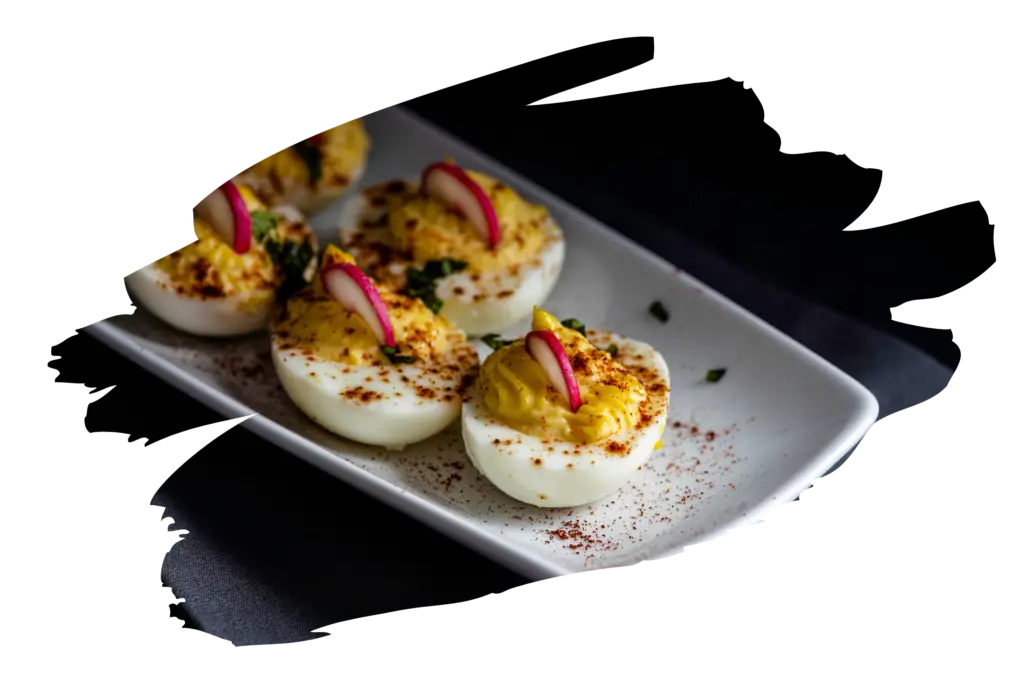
(658, 311)
(713, 376)
(612, 349)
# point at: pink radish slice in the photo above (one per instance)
(547, 350)
(226, 212)
(356, 293)
(453, 186)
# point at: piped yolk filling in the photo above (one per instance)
(315, 322)
(210, 268)
(428, 229)
(342, 151)
(517, 392)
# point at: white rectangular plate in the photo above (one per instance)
(780, 418)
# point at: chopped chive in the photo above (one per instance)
(612, 350)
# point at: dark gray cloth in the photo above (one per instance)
(258, 561)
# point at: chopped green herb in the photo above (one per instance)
(444, 267)
(612, 349)
(264, 225)
(394, 357)
(313, 158)
(494, 341)
(293, 260)
(422, 282)
(658, 311)
(416, 281)
(714, 375)
(434, 303)
(290, 257)
(575, 325)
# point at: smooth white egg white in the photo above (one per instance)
(488, 303)
(554, 474)
(371, 405)
(233, 315)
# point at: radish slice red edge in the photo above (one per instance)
(547, 350)
(356, 292)
(451, 184)
(225, 211)
(243, 221)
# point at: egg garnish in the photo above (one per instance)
(368, 363)
(228, 282)
(565, 416)
(314, 172)
(467, 244)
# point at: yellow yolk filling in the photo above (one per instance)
(316, 322)
(428, 229)
(210, 268)
(342, 150)
(517, 393)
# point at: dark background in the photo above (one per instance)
(854, 194)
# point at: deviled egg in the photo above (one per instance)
(228, 281)
(467, 244)
(368, 363)
(313, 173)
(562, 418)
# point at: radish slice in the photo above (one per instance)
(226, 212)
(356, 293)
(453, 186)
(547, 350)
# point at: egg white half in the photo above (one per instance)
(558, 474)
(371, 405)
(232, 315)
(489, 304)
